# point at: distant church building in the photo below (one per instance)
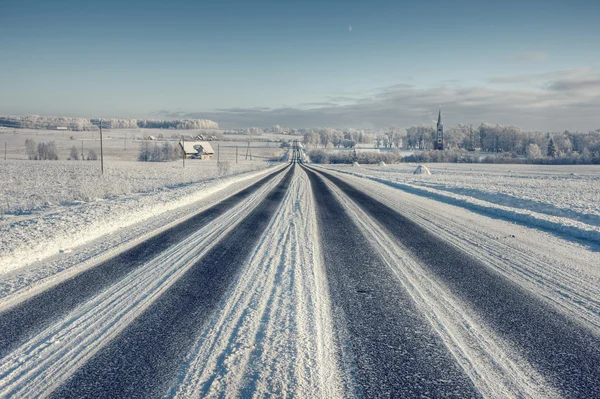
(439, 138)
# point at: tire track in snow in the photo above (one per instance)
(493, 366)
(558, 224)
(564, 352)
(387, 345)
(143, 360)
(572, 291)
(272, 335)
(40, 365)
(30, 316)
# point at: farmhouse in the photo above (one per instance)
(197, 149)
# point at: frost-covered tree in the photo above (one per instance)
(47, 151)
(533, 151)
(158, 153)
(551, 149)
(144, 152)
(397, 136)
(74, 154)
(420, 137)
(31, 148)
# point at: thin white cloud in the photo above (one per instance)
(529, 56)
(533, 78)
(565, 101)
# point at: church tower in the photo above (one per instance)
(439, 138)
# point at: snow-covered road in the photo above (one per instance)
(316, 283)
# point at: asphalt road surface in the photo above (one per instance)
(561, 349)
(384, 345)
(390, 347)
(142, 360)
(20, 322)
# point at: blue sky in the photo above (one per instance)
(532, 63)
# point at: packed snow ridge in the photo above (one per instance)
(26, 240)
(563, 199)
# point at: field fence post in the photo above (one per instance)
(101, 151)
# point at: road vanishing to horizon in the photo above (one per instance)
(306, 282)
(299, 199)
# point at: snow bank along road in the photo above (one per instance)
(308, 283)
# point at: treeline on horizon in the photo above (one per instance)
(84, 124)
(463, 143)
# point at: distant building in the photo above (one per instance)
(197, 149)
(62, 128)
(439, 138)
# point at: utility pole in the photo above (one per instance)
(125, 148)
(183, 148)
(82, 158)
(248, 150)
(101, 151)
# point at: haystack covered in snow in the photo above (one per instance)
(355, 164)
(422, 170)
(381, 163)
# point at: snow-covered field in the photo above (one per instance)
(123, 144)
(563, 199)
(35, 185)
(30, 185)
(59, 230)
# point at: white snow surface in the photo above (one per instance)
(563, 199)
(45, 361)
(25, 242)
(272, 333)
(496, 369)
(561, 271)
(31, 186)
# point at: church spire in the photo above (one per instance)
(438, 144)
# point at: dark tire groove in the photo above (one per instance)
(389, 347)
(31, 316)
(561, 349)
(143, 360)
